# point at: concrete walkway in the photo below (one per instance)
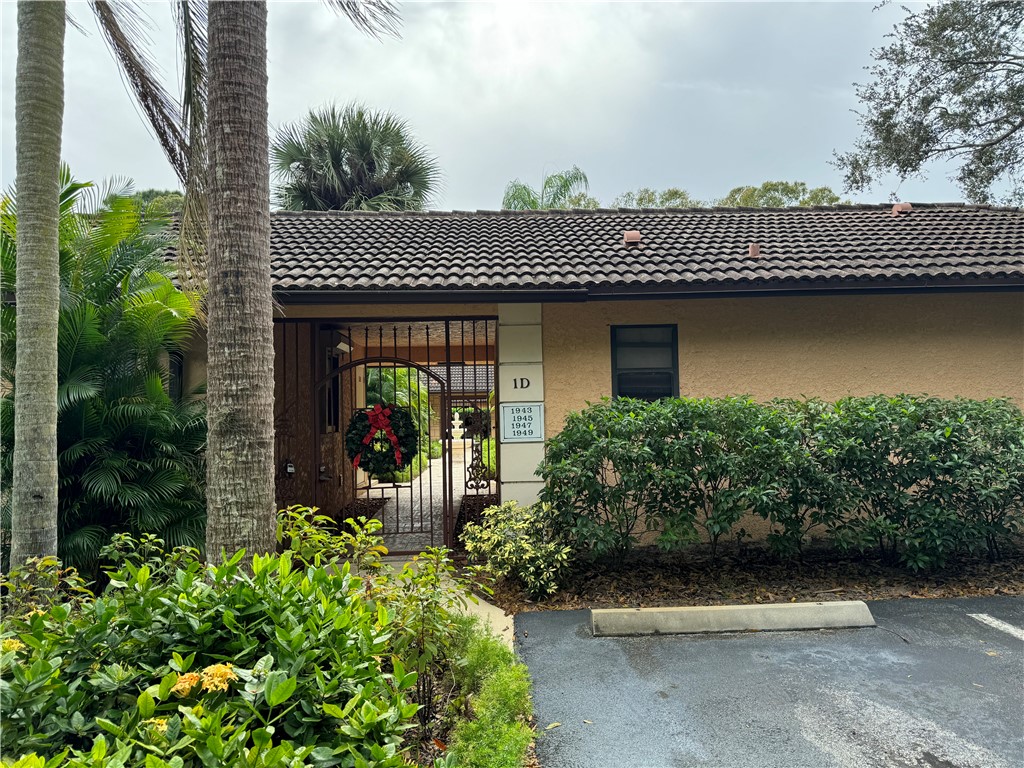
(414, 515)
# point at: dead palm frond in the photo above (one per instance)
(180, 123)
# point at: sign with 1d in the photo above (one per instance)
(522, 422)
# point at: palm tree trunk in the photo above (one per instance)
(39, 114)
(240, 390)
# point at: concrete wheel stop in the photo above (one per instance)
(625, 622)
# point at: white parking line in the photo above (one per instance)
(1002, 626)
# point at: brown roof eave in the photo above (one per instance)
(652, 292)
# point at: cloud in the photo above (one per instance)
(704, 96)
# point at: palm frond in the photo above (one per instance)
(125, 31)
(374, 17)
(520, 197)
(190, 16)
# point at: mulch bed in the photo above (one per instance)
(649, 577)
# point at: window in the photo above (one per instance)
(645, 361)
(175, 376)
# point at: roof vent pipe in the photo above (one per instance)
(631, 237)
(754, 250)
(901, 208)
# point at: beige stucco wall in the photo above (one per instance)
(826, 346)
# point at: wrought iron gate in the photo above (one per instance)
(443, 374)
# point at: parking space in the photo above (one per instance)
(938, 683)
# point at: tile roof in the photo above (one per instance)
(463, 378)
(682, 250)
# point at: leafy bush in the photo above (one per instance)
(918, 478)
(987, 472)
(922, 477)
(498, 687)
(172, 648)
(489, 452)
(129, 457)
(797, 492)
(519, 543)
(606, 476)
(719, 451)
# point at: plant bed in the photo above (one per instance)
(319, 656)
(649, 577)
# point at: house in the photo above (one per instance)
(544, 311)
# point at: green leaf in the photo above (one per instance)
(277, 689)
(146, 704)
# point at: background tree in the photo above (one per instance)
(352, 159)
(129, 458)
(159, 202)
(557, 190)
(39, 117)
(949, 86)
(779, 194)
(645, 197)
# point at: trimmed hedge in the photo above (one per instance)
(917, 478)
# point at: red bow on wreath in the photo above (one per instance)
(379, 422)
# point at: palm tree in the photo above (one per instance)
(352, 159)
(39, 113)
(39, 117)
(240, 344)
(557, 190)
(129, 457)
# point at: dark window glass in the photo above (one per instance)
(645, 362)
(175, 376)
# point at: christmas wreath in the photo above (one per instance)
(381, 440)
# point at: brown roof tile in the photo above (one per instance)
(682, 249)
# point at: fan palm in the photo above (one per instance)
(557, 190)
(352, 159)
(128, 457)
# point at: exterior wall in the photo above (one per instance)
(943, 344)
(827, 346)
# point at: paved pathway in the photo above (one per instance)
(933, 686)
(414, 516)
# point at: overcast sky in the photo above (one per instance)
(703, 96)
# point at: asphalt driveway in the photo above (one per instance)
(931, 686)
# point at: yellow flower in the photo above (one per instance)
(216, 677)
(158, 723)
(12, 644)
(185, 683)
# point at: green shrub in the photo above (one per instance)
(498, 733)
(797, 492)
(986, 470)
(172, 649)
(436, 449)
(519, 543)
(606, 476)
(718, 452)
(917, 478)
(489, 452)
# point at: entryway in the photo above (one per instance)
(351, 391)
